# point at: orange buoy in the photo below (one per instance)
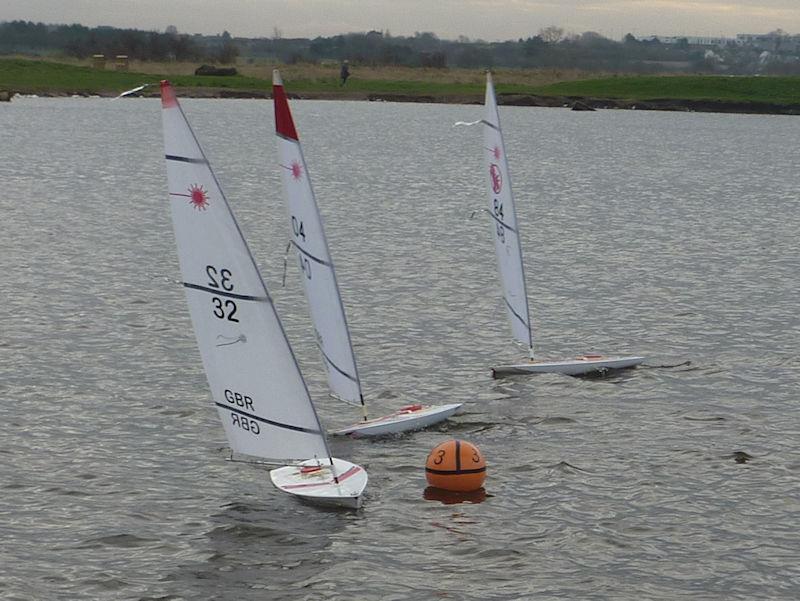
(456, 465)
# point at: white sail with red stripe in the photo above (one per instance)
(508, 247)
(308, 239)
(322, 291)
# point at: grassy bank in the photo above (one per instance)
(766, 94)
(775, 90)
(40, 77)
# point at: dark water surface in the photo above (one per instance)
(670, 235)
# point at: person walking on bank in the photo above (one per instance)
(345, 72)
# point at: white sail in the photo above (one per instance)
(254, 378)
(504, 222)
(318, 274)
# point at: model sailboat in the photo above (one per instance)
(508, 248)
(322, 290)
(255, 381)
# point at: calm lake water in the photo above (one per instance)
(664, 234)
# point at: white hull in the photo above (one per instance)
(588, 364)
(414, 417)
(318, 486)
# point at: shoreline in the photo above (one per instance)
(776, 95)
(585, 103)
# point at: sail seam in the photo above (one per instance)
(287, 138)
(217, 292)
(267, 421)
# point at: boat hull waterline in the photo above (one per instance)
(313, 482)
(579, 366)
(407, 419)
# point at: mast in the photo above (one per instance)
(508, 247)
(313, 255)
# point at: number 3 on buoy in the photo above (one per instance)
(456, 465)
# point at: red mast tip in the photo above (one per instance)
(284, 124)
(168, 98)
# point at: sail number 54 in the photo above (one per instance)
(498, 214)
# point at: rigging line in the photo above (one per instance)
(268, 421)
(471, 123)
(493, 216)
(285, 262)
(345, 401)
(309, 255)
(217, 292)
(232, 459)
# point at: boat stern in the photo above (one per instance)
(314, 482)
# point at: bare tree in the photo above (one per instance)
(551, 34)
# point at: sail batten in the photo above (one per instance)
(317, 260)
(508, 247)
(172, 157)
(226, 294)
(255, 381)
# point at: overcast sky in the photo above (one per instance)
(490, 20)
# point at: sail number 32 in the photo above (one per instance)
(222, 279)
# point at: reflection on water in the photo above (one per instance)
(449, 497)
(668, 235)
(257, 550)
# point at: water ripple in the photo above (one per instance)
(670, 235)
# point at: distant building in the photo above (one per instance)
(771, 42)
(776, 41)
(708, 41)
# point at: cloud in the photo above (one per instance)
(741, 10)
(484, 19)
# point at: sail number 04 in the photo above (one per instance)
(222, 279)
(299, 231)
